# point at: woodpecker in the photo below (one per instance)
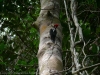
(53, 33)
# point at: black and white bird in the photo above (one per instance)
(53, 33)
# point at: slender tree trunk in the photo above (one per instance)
(49, 53)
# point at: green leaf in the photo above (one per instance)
(98, 30)
(2, 47)
(32, 30)
(16, 67)
(1, 0)
(22, 62)
(94, 49)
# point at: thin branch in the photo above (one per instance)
(85, 68)
(93, 70)
(75, 19)
(89, 11)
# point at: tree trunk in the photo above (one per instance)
(49, 53)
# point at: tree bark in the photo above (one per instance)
(49, 53)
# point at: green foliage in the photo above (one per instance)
(19, 40)
(2, 47)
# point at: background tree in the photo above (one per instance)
(19, 40)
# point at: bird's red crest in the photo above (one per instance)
(56, 25)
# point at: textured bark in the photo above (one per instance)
(49, 53)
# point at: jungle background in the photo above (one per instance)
(19, 39)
